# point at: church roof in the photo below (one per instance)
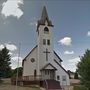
(34, 49)
(46, 67)
(43, 18)
(58, 56)
(61, 67)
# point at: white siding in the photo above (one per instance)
(60, 72)
(42, 48)
(29, 67)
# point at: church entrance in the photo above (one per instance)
(48, 74)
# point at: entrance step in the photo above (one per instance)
(52, 85)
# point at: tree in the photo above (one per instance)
(5, 69)
(20, 69)
(83, 69)
(76, 75)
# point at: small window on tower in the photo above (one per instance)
(48, 42)
(46, 30)
(44, 41)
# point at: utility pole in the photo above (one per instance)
(18, 65)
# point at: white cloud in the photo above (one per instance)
(12, 8)
(88, 33)
(71, 64)
(10, 53)
(14, 62)
(1, 46)
(11, 47)
(75, 60)
(69, 52)
(16, 58)
(66, 41)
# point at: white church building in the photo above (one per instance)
(43, 62)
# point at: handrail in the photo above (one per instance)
(46, 84)
(25, 78)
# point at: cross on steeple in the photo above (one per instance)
(46, 54)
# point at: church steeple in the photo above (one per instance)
(44, 14)
(44, 18)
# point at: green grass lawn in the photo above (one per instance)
(80, 87)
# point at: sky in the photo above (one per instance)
(71, 31)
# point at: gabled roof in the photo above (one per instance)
(48, 65)
(61, 67)
(29, 54)
(44, 17)
(58, 56)
(34, 49)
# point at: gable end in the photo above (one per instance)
(29, 54)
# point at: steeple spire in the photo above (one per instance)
(44, 14)
(44, 18)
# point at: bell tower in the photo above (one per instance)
(44, 39)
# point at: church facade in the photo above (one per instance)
(43, 62)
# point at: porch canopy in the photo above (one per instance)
(49, 66)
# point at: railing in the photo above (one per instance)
(27, 78)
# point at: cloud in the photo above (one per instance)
(71, 64)
(14, 62)
(11, 47)
(65, 41)
(75, 60)
(69, 52)
(16, 58)
(1, 46)
(88, 33)
(10, 53)
(12, 8)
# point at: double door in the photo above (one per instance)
(48, 74)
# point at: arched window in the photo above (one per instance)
(46, 30)
(35, 73)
